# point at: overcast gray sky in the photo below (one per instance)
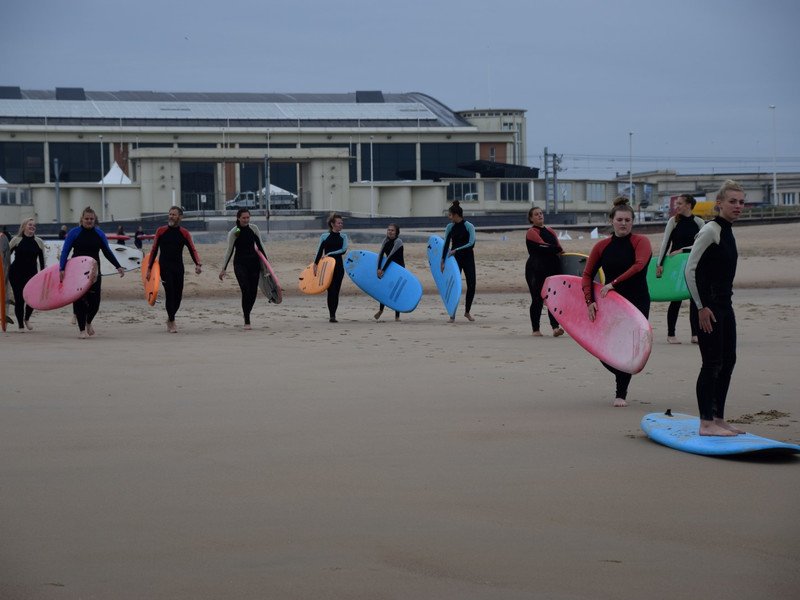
(692, 79)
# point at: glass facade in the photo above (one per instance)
(445, 158)
(80, 161)
(392, 161)
(22, 162)
(197, 179)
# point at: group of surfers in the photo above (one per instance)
(623, 257)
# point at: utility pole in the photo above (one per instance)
(546, 179)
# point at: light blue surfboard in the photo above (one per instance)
(671, 286)
(448, 282)
(680, 432)
(399, 288)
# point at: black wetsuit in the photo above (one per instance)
(543, 261)
(710, 271)
(246, 265)
(334, 245)
(171, 241)
(393, 250)
(682, 235)
(460, 237)
(28, 252)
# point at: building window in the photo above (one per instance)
(440, 161)
(393, 162)
(565, 192)
(80, 162)
(596, 192)
(22, 162)
(789, 198)
(514, 191)
(463, 191)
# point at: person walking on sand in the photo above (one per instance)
(243, 239)
(392, 247)
(87, 240)
(333, 244)
(459, 241)
(678, 235)
(544, 251)
(623, 257)
(28, 250)
(170, 240)
(710, 271)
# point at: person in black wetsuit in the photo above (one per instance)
(710, 271)
(459, 241)
(28, 250)
(137, 237)
(170, 240)
(243, 239)
(392, 247)
(679, 234)
(624, 258)
(88, 240)
(544, 250)
(333, 244)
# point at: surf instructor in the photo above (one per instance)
(623, 257)
(87, 240)
(170, 240)
(242, 240)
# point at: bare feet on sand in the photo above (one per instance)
(451, 320)
(537, 334)
(694, 339)
(378, 314)
(28, 325)
(558, 332)
(712, 428)
(172, 327)
(469, 316)
(673, 340)
(89, 329)
(619, 403)
(82, 335)
(247, 327)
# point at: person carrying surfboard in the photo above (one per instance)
(28, 250)
(623, 257)
(543, 261)
(710, 271)
(333, 244)
(87, 240)
(459, 241)
(244, 238)
(170, 240)
(392, 247)
(679, 233)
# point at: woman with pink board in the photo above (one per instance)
(623, 257)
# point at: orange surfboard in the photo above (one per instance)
(316, 284)
(151, 286)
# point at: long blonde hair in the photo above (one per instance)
(23, 224)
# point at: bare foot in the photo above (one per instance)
(82, 335)
(74, 319)
(469, 316)
(397, 318)
(558, 332)
(725, 425)
(172, 327)
(378, 315)
(673, 340)
(711, 428)
(537, 334)
(89, 329)
(451, 320)
(28, 325)
(694, 339)
(619, 403)
(248, 327)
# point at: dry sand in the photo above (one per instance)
(388, 460)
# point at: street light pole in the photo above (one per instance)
(630, 165)
(102, 180)
(371, 181)
(774, 160)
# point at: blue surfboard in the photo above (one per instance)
(448, 282)
(399, 288)
(680, 432)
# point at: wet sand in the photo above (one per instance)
(388, 460)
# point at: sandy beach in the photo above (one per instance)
(389, 460)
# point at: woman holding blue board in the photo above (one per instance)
(459, 241)
(333, 244)
(623, 257)
(392, 248)
(680, 233)
(242, 242)
(543, 260)
(709, 274)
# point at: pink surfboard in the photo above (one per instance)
(620, 335)
(268, 281)
(45, 292)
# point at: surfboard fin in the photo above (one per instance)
(668, 413)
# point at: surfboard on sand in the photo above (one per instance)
(620, 335)
(268, 281)
(681, 432)
(448, 282)
(44, 291)
(574, 263)
(671, 286)
(152, 285)
(316, 284)
(2, 297)
(399, 288)
(128, 258)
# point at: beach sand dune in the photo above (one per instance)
(384, 460)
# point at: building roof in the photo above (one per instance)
(74, 106)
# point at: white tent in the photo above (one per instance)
(115, 176)
(3, 181)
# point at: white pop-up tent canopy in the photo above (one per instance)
(3, 181)
(115, 176)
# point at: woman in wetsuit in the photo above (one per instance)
(459, 241)
(243, 239)
(392, 248)
(333, 244)
(623, 257)
(88, 240)
(544, 250)
(710, 271)
(28, 250)
(679, 234)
